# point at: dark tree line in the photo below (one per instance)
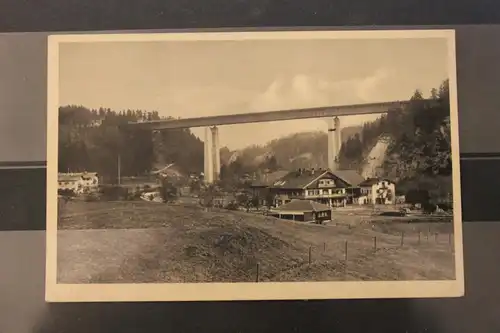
(99, 141)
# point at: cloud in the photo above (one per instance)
(370, 87)
(298, 91)
(210, 100)
(304, 91)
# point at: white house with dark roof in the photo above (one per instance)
(380, 191)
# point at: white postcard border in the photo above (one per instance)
(56, 292)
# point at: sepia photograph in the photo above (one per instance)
(253, 166)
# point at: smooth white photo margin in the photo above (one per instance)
(143, 292)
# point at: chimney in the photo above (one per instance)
(312, 171)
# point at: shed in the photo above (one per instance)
(303, 210)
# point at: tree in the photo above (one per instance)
(168, 190)
(269, 198)
(208, 195)
(255, 202)
(244, 200)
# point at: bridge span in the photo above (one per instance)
(211, 123)
(256, 117)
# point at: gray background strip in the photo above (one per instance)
(23, 90)
(23, 310)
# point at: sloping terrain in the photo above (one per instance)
(148, 242)
(375, 159)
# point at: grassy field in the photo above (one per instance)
(134, 242)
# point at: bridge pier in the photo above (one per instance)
(211, 155)
(215, 152)
(334, 143)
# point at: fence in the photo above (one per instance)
(419, 240)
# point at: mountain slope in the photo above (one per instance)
(299, 150)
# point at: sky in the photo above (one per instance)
(203, 78)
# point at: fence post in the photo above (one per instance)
(310, 254)
(402, 238)
(419, 237)
(375, 244)
(258, 271)
(346, 246)
(436, 237)
(324, 247)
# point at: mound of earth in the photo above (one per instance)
(236, 253)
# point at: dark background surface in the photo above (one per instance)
(22, 206)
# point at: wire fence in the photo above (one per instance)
(404, 239)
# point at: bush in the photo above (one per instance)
(232, 206)
(66, 193)
(92, 197)
(114, 193)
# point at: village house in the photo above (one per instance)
(353, 179)
(379, 191)
(78, 183)
(303, 210)
(321, 186)
(261, 188)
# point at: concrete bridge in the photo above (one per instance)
(211, 123)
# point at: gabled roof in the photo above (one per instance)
(270, 178)
(302, 206)
(66, 177)
(169, 170)
(164, 169)
(350, 176)
(297, 179)
(373, 181)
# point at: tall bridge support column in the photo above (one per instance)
(208, 157)
(338, 137)
(212, 155)
(215, 153)
(334, 142)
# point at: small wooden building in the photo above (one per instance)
(303, 210)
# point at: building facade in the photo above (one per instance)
(78, 183)
(378, 191)
(320, 186)
(303, 211)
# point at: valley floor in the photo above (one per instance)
(141, 242)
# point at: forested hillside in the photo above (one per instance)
(419, 152)
(92, 140)
(299, 150)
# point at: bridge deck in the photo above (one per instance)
(320, 112)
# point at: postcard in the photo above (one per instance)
(270, 165)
